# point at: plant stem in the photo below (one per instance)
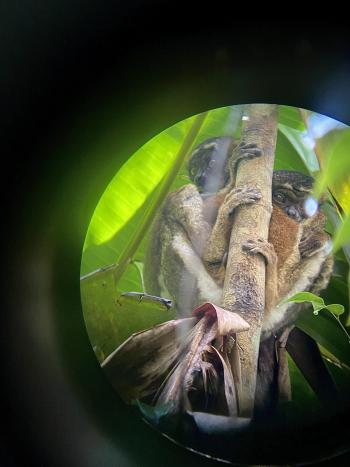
(139, 270)
(341, 325)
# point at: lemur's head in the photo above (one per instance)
(290, 190)
(207, 165)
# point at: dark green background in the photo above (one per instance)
(72, 73)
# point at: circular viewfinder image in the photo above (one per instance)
(215, 283)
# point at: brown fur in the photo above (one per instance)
(284, 232)
(190, 243)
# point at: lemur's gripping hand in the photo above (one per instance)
(237, 197)
(248, 151)
(267, 250)
(261, 247)
(242, 152)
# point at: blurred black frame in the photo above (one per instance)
(124, 64)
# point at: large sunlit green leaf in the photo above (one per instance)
(101, 255)
(135, 181)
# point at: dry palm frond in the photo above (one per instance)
(183, 363)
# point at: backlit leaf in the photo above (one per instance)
(336, 309)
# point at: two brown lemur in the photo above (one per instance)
(186, 258)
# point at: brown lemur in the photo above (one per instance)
(186, 259)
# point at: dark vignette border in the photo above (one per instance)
(130, 65)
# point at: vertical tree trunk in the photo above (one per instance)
(244, 287)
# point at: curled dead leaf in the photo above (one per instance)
(138, 366)
(228, 322)
(178, 363)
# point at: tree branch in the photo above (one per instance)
(244, 287)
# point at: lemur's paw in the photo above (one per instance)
(249, 150)
(261, 247)
(242, 195)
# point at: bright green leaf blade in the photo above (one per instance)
(134, 182)
(336, 309)
(96, 256)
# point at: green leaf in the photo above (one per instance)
(111, 318)
(334, 218)
(301, 390)
(96, 255)
(305, 297)
(306, 154)
(342, 235)
(316, 308)
(336, 309)
(221, 122)
(290, 116)
(335, 174)
(325, 330)
(341, 375)
(286, 156)
(131, 186)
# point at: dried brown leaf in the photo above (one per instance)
(229, 385)
(181, 379)
(228, 322)
(138, 366)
